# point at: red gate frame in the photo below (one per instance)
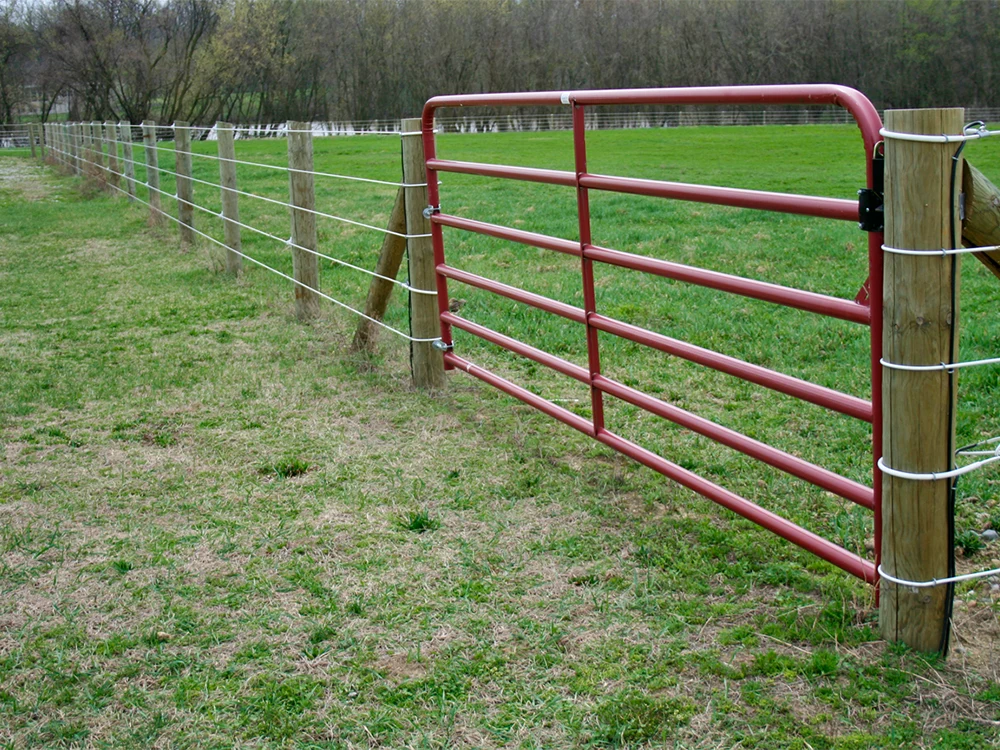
(866, 312)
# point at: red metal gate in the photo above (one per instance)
(864, 311)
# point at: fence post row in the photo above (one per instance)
(302, 195)
(152, 169)
(125, 134)
(230, 199)
(185, 188)
(920, 327)
(426, 362)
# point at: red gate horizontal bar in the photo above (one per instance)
(519, 347)
(510, 292)
(847, 561)
(834, 307)
(777, 458)
(525, 174)
(789, 203)
(820, 547)
(776, 381)
(543, 405)
(545, 241)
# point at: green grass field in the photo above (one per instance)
(220, 528)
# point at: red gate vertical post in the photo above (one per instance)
(586, 264)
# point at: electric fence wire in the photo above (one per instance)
(275, 271)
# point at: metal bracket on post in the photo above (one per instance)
(871, 216)
(443, 347)
(430, 211)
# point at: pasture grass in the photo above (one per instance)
(220, 528)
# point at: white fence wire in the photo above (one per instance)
(81, 152)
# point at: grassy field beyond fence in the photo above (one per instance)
(220, 528)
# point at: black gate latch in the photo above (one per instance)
(870, 211)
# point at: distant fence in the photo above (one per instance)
(16, 136)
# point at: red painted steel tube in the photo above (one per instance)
(587, 265)
(518, 347)
(569, 247)
(789, 203)
(543, 405)
(791, 386)
(525, 174)
(821, 304)
(518, 295)
(795, 534)
(779, 459)
(827, 550)
(853, 101)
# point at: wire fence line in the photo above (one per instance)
(103, 151)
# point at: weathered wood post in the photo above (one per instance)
(152, 169)
(125, 133)
(230, 198)
(112, 143)
(302, 193)
(76, 138)
(920, 299)
(185, 188)
(31, 140)
(389, 260)
(42, 133)
(426, 362)
(97, 149)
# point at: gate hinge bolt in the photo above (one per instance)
(430, 211)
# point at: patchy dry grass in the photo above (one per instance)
(209, 523)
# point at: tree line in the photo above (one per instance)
(274, 60)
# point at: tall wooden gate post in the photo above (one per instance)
(426, 362)
(152, 169)
(920, 323)
(302, 194)
(230, 198)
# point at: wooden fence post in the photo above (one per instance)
(97, 149)
(389, 260)
(111, 139)
(185, 188)
(230, 199)
(920, 299)
(42, 132)
(31, 140)
(152, 169)
(426, 362)
(302, 193)
(125, 133)
(76, 137)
